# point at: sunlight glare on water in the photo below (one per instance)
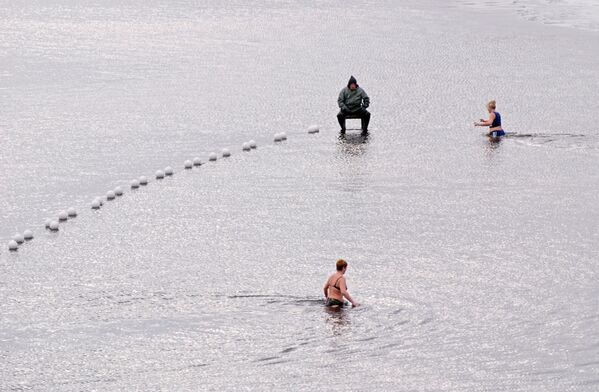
(475, 262)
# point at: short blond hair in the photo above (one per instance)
(492, 104)
(341, 264)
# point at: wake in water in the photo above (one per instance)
(556, 140)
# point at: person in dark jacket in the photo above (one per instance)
(353, 102)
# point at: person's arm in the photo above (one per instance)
(341, 101)
(345, 293)
(326, 289)
(365, 100)
(486, 123)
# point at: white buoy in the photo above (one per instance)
(252, 144)
(118, 191)
(12, 245)
(72, 212)
(47, 223)
(134, 184)
(18, 238)
(96, 204)
(110, 195)
(63, 216)
(143, 180)
(313, 129)
(28, 235)
(168, 171)
(188, 164)
(245, 146)
(278, 137)
(159, 174)
(226, 152)
(283, 136)
(212, 157)
(197, 161)
(54, 226)
(99, 198)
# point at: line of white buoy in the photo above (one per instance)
(49, 224)
(19, 238)
(281, 136)
(97, 202)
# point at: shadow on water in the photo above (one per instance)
(353, 144)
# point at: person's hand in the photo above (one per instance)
(355, 305)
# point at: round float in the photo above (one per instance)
(12, 245)
(28, 235)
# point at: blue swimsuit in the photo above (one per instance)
(497, 123)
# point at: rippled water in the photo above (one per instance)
(476, 262)
(578, 14)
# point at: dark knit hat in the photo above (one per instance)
(352, 80)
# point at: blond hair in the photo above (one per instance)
(341, 264)
(492, 104)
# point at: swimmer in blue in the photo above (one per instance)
(494, 122)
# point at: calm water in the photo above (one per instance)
(476, 263)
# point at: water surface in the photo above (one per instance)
(475, 262)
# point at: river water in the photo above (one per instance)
(476, 263)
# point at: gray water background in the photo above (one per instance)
(476, 262)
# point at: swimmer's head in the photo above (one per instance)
(341, 265)
(491, 105)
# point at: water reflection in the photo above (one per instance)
(492, 146)
(353, 144)
(337, 319)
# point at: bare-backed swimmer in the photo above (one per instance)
(335, 289)
(493, 122)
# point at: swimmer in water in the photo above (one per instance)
(336, 288)
(494, 122)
